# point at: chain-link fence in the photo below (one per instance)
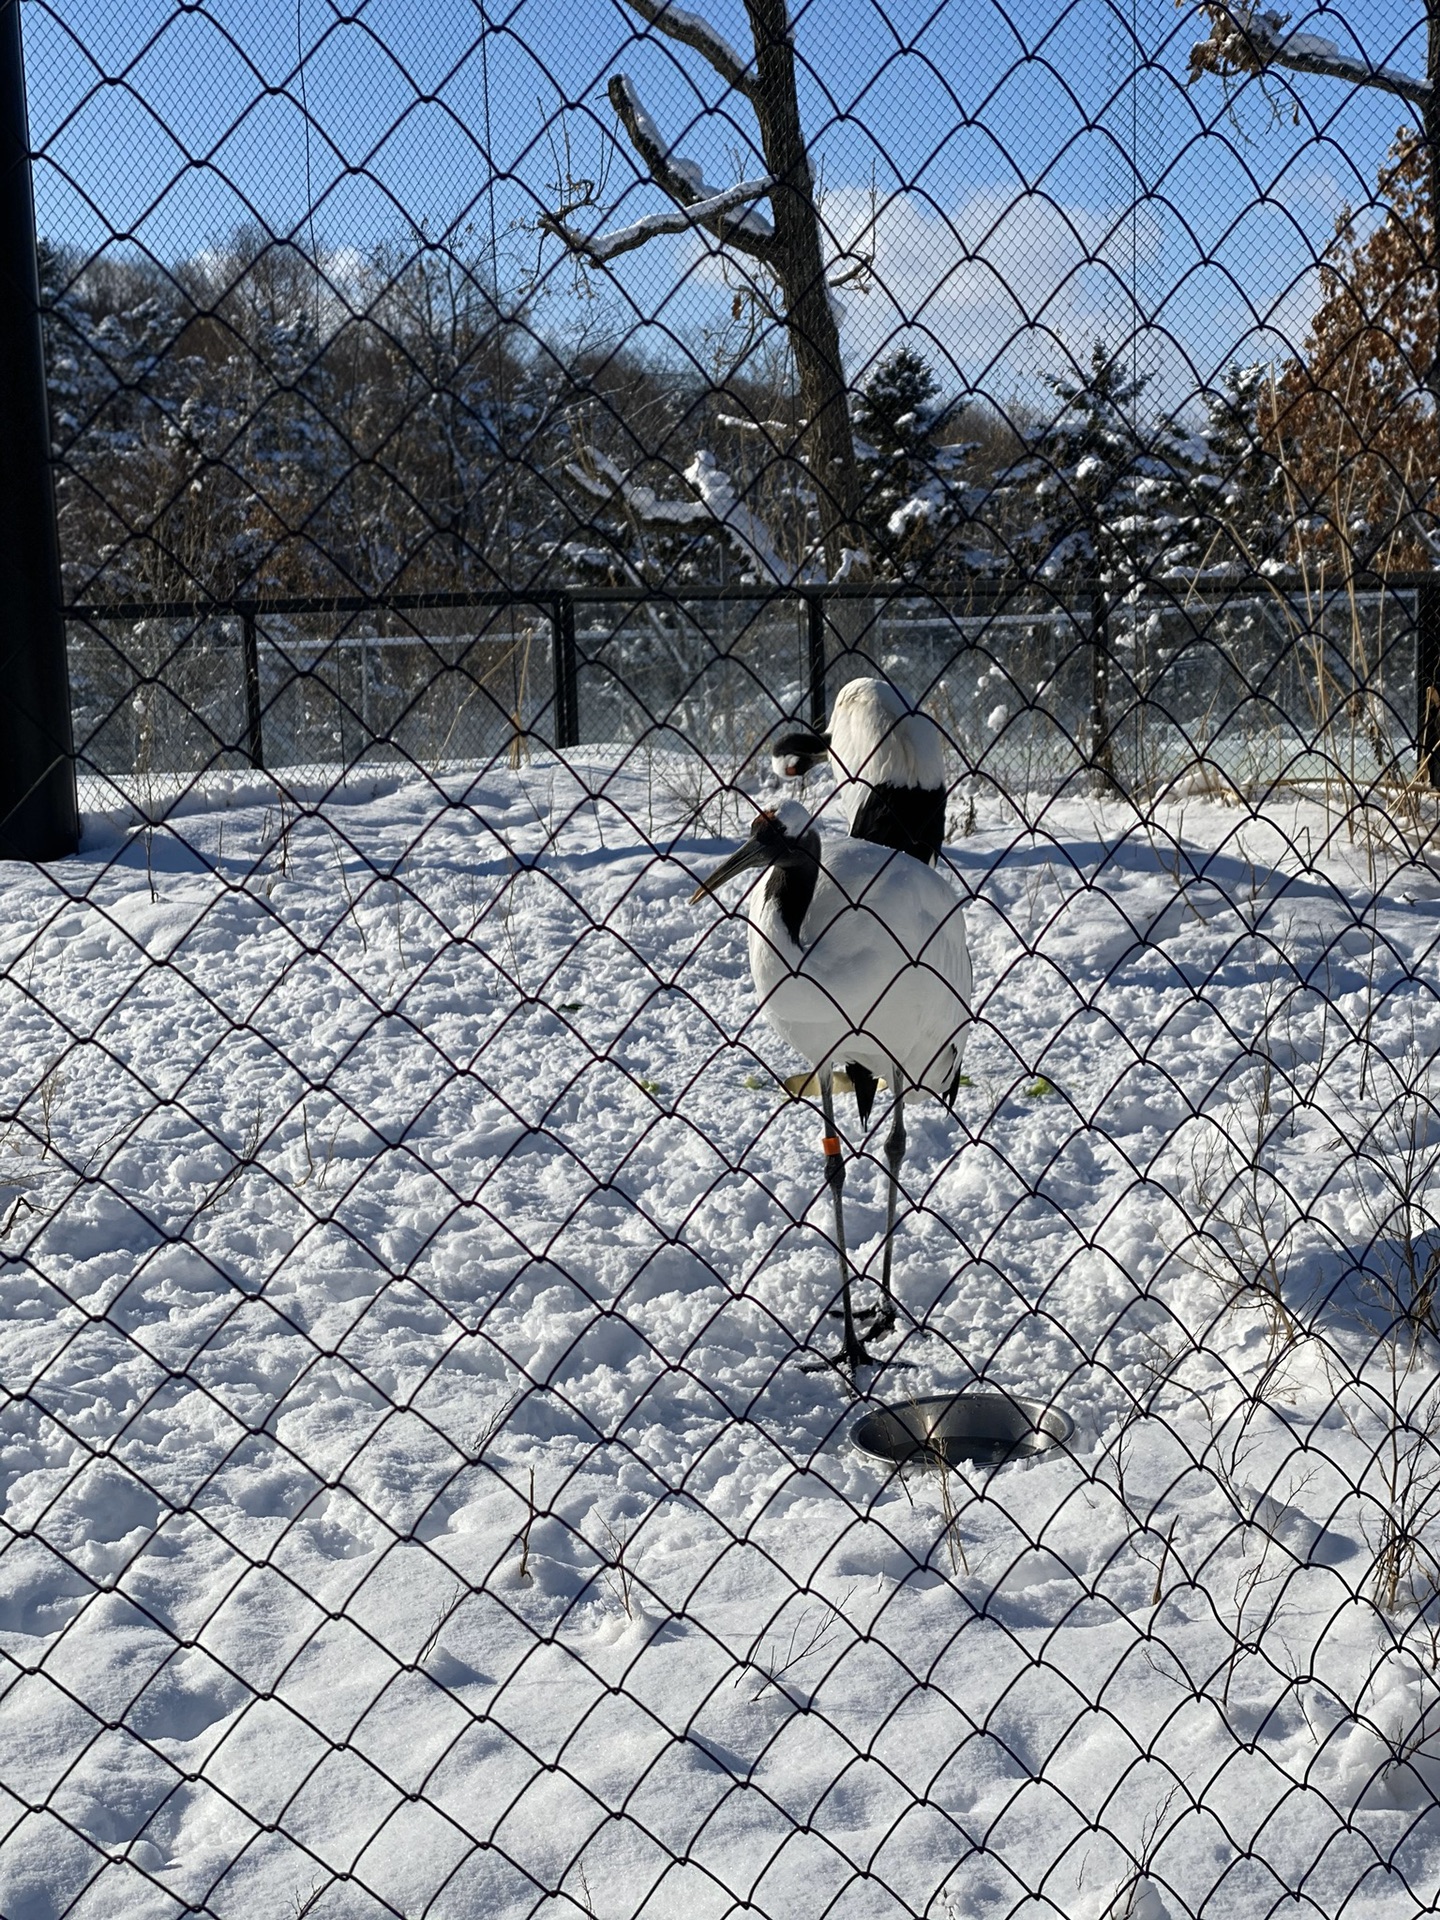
(492, 1427)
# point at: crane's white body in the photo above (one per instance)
(878, 740)
(881, 973)
(859, 960)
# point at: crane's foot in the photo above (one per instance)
(846, 1361)
(879, 1320)
(876, 1323)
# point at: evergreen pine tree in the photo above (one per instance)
(913, 492)
(1102, 496)
(1237, 495)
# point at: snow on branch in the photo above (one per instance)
(739, 423)
(745, 529)
(699, 35)
(684, 180)
(1249, 39)
(602, 480)
(709, 213)
(718, 508)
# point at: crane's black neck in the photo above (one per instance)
(791, 885)
(910, 819)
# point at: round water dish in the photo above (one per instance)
(947, 1429)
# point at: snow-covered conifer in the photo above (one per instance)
(915, 492)
(1101, 493)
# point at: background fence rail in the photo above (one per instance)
(917, 639)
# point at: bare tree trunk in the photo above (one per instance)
(799, 265)
(1430, 129)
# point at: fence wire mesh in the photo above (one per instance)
(434, 1473)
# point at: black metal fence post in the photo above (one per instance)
(39, 818)
(566, 675)
(1101, 745)
(815, 631)
(254, 720)
(1427, 679)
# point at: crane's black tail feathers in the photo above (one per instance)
(864, 1084)
(954, 1086)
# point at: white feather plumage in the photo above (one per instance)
(877, 739)
(881, 972)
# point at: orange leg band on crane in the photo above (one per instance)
(830, 1144)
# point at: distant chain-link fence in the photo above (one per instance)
(451, 1466)
(1263, 686)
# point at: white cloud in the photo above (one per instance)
(999, 284)
(1010, 285)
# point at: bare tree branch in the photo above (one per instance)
(694, 32)
(1251, 39)
(788, 244)
(600, 478)
(709, 213)
(683, 179)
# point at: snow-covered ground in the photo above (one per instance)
(414, 1503)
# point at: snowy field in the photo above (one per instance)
(414, 1502)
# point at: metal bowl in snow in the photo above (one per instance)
(946, 1429)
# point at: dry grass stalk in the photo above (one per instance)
(619, 1579)
(807, 1636)
(444, 1614)
(525, 1533)
(950, 1514)
(48, 1093)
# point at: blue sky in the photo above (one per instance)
(1033, 194)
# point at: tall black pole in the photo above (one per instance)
(815, 638)
(566, 672)
(39, 819)
(1427, 681)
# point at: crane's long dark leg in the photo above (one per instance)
(894, 1154)
(852, 1354)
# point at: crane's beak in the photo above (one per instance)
(752, 854)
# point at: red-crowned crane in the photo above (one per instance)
(859, 959)
(888, 762)
(889, 769)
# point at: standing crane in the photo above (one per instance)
(890, 776)
(858, 956)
